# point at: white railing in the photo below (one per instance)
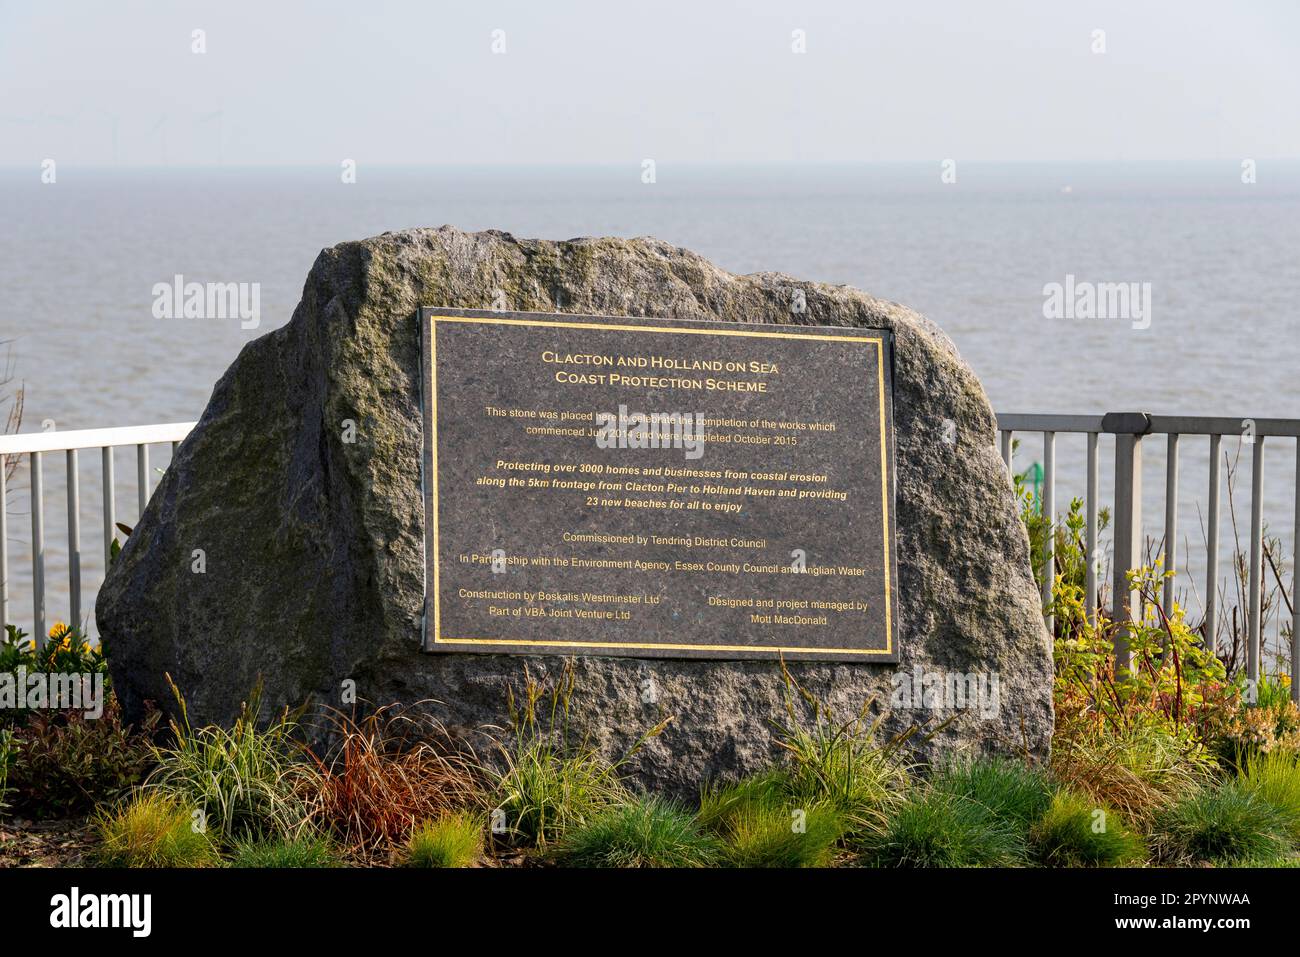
(34, 445)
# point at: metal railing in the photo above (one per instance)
(1129, 430)
(34, 445)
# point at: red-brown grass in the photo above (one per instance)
(385, 772)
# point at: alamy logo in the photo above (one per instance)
(59, 691)
(947, 691)
(651, 430)
(1098, 300)
(134, 911)
(208, 300)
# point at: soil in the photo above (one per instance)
(60, 843)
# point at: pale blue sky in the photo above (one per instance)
(603, 82)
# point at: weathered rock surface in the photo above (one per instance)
(313, 547)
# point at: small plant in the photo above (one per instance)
(1011, 790)
(70, 764)
(301, 851)
(550, 783)
(764, 836)
(1073, 832)
(153, 830)
(936, 829)
(645, 832)
(385, 773)
(762, 825)
(1275, 777)
(244, 781)
(453, 840)
(840, 763)
(1223, 825)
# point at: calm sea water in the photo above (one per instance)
(79, 258)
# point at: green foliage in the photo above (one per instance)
(1073, 832)
(937, 829)
(69, 764)
(644, 832)
(550, 782)
(839, 763)
(152, 830)
(244, 780)
(761, 823)
(302, 851)
(453, 840)
(1011, 790)
(1275, 777)
(1224, 825)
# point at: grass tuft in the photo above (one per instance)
(453, 840)
(245, 779)
(1275, 777)
(935, 829)
(645, 832)
(385, 773)
(302, 851)
(1075, 833)
(152, 830)
(1226, 824)
(550, 783)
(1011, 790)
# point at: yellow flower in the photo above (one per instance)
(59, 630)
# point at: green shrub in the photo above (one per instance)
(841, 764)
(935, 829)
(762, 825)
(1275, 777)
(1012, 790)
(152, 830)
(302, 851)
(244, 780)
(764, 836)
(454, 840)
(646, 832)
(1224, 825)
(551, 783)
(69, 764)
(1075, 833)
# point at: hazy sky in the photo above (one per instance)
(614, 82)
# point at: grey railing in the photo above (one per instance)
(1130, 429)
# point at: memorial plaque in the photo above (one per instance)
(657, 488)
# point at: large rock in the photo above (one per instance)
(314, 547)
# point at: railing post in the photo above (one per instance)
(1049, 531)
(1256, 557)
(1094, 475)
(1006, 450)
(1171, 522)
(74, 540)
(1212, 550)
(1128, 427)
(142, 476)
(106, 459)
(1295, 577)
(38, 550)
